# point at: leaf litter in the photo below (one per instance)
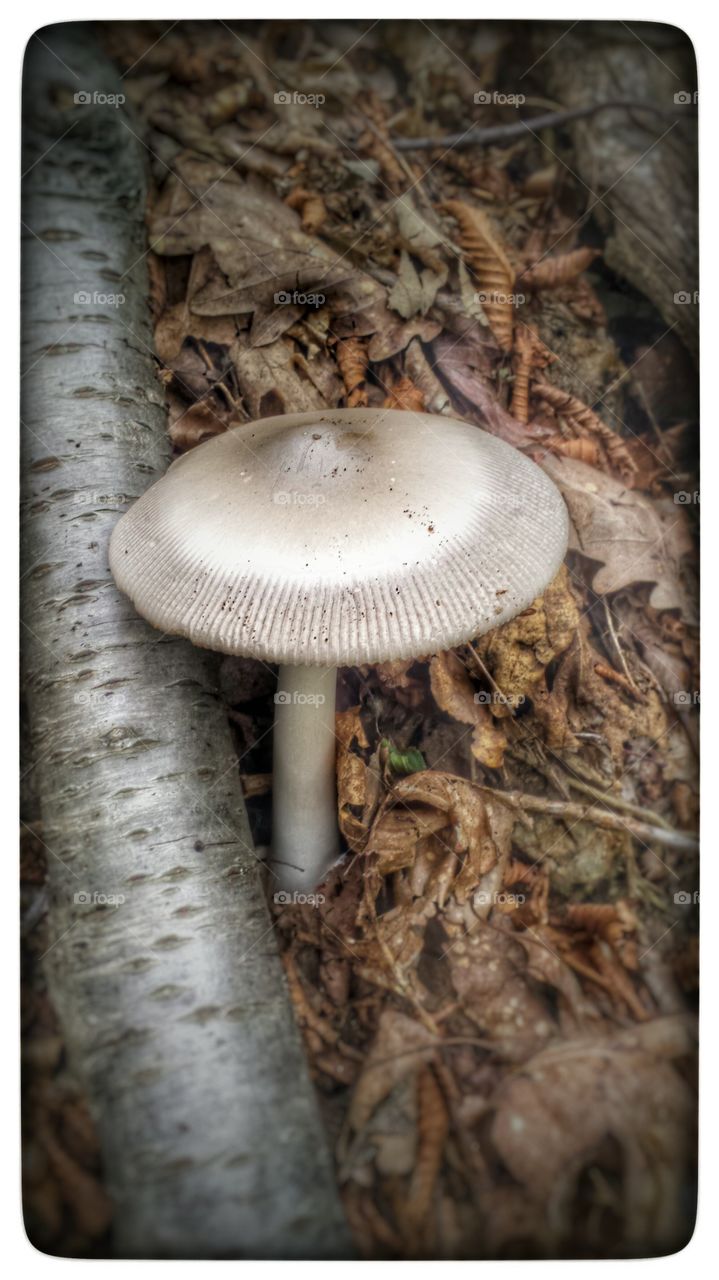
(496, 986)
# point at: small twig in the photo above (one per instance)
(447, 1042)
(670, 838)
(617, 802)
(617, 646)
(595, 785)
(483, 137)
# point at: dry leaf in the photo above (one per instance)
(454, 692)
(424, 804)
(518, 653)
(581, 449)
(388, 1062)
(549, 273)
(357, 785)
(405, 395)
(552, 1117)
(392, 335)
(271, 380)
(491, 266)
(352, 360)
(432, 1130)
(529, 353)
(630, 536)
(311, 206)
(190, 425)
(577, 414)
(466, 366)
(489, 975)
(420, 371)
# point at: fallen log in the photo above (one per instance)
(162, 964)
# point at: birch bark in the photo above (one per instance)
(163, 966)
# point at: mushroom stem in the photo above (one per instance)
(304, 789)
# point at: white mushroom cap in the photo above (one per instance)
(341, 537)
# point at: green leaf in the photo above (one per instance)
(409, 761)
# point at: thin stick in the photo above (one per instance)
(670, 838)
(504, 132)
(617, 646)
(617, 802)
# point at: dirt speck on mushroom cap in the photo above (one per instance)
(341, 537)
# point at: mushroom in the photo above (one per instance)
(335, 538)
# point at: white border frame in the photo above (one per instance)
(701, 25)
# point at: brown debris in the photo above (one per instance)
(529, 353)
(454, 692)
(405, 395)
(550, 273)
(432, 1129)
(352, 361)
(581, 448)
(490, 265)
(311, 207)
(375, 142)
(580, 417)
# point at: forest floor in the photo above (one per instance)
(497, 986)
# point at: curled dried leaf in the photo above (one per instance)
(583, 449)
(584, 420)
(530, 353)
(552, 272)
(311, 208)
(405, 395)
(190, 425)
(491, 266)
(432, 1130)
(425, 804)
(357, 784)
(617, 677)
(454, 692)
(424, 377)
(609, 920)
(352, 360)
